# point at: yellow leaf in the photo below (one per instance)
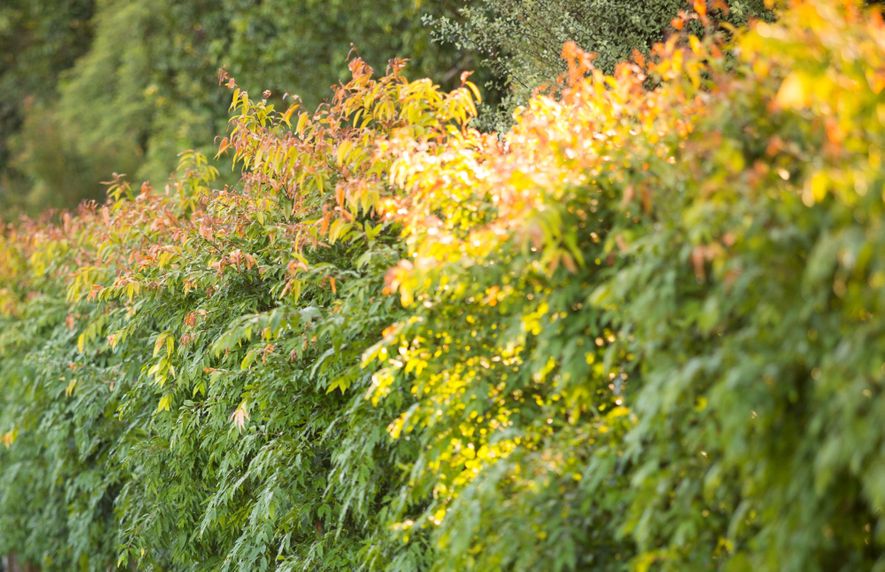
(438, 516)
(165, 403)
(288, 114)
(618, 412)
(794, 92)
(343, 151)
(162, 340)
(474, 90)
(816, 189)
(302, 123)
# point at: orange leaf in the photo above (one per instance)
(222, 147)
(339, 195)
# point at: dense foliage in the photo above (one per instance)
(92, 88)
(39, 39)
(153, 64)
(643, 329)
(520, 40)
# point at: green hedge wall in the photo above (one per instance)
(642, 330)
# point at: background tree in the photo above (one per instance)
(139, 78)
(39, 39)
(145, 83)
(520, 41)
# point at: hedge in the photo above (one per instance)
(641, 330)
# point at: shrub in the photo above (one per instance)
(142, 81)
(640, 331)
(520, 41)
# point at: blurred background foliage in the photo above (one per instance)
(38, 40)
(520, 41)
(90, 88)
(96, 87)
